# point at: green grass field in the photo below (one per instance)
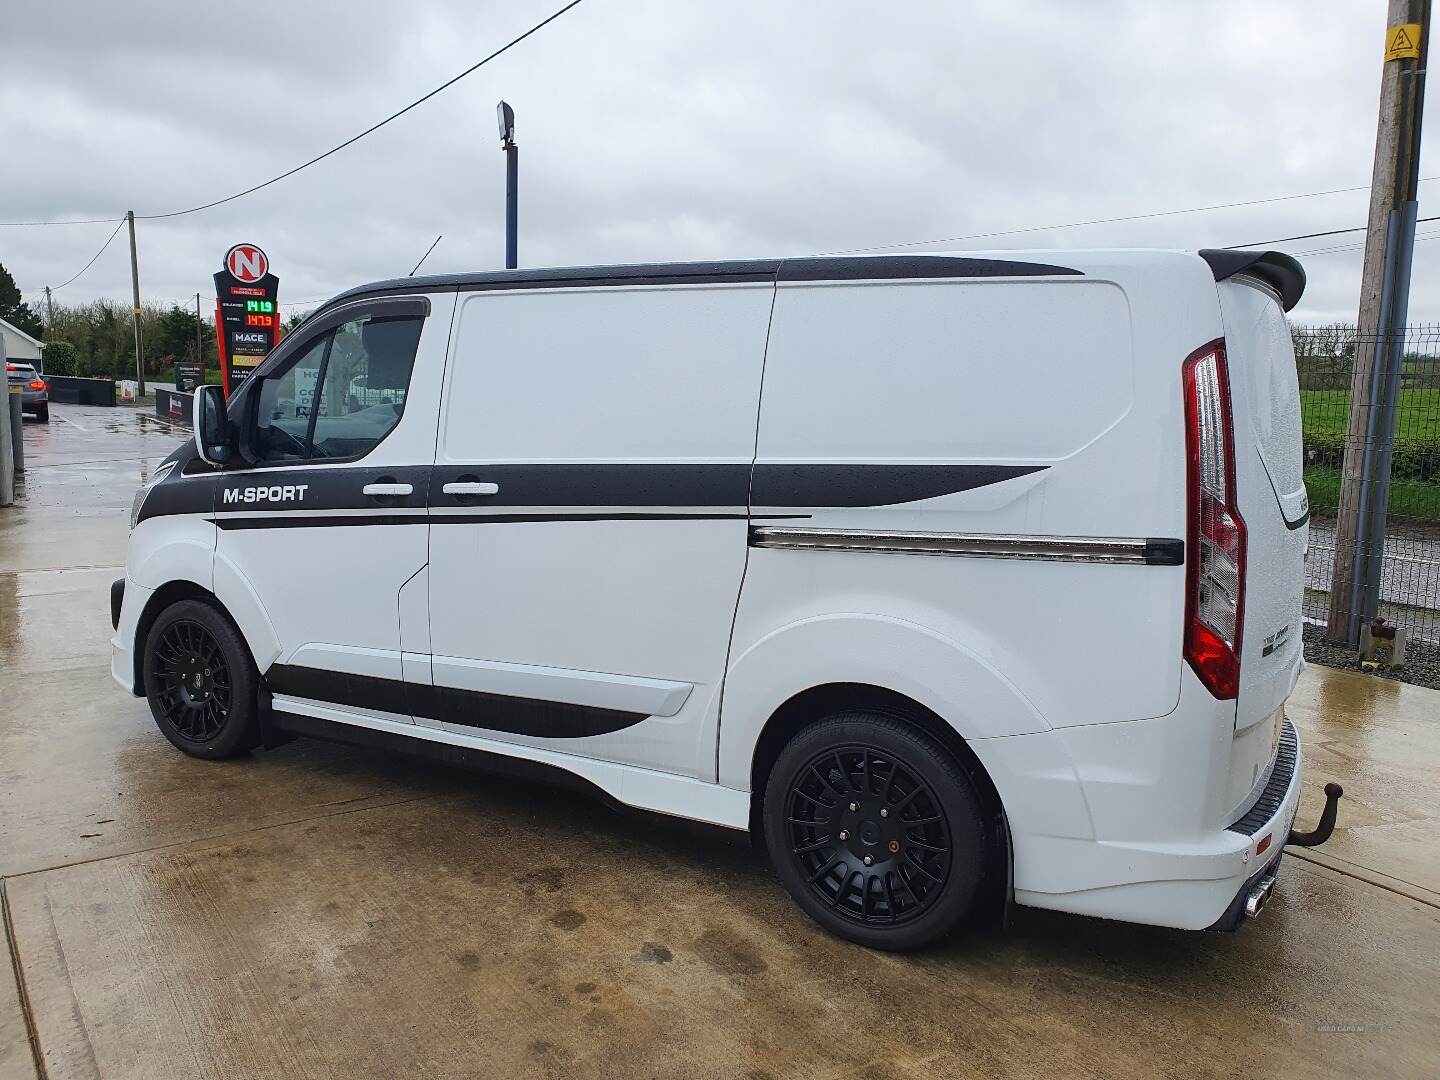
(1412, 499)
(1414, 490)
(1326, 412)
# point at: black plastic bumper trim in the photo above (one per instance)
(1268, 805)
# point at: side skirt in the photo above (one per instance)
(641, 789)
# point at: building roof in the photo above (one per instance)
(12, 328)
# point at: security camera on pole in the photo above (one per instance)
(506, 117)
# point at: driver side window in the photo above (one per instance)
(286, 403)
(342, 395)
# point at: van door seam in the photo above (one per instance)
(749, 513)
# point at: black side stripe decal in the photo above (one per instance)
(657, 492)
(338, 687)
(306, 521)
(872, 485)
(469, 708)
(599, 484)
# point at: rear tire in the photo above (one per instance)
(201, 681)
(917, 819)
(42, 413)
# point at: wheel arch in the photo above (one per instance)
(172, 592)
(816, 702)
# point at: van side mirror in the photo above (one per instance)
(212, 431)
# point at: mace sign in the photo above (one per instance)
(247, 315)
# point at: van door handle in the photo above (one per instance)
(387, 489)
(470, 488)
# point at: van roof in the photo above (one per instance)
(1279, 270)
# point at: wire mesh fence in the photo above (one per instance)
(1387, 537)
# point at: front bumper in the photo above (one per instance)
(127, 601)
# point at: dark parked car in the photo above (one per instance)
(34, 392)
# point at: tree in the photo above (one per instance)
(61, 358)
(103, 336)
(175, 334)
(293, 320)
(14, 310)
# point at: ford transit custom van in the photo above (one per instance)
(959, 580)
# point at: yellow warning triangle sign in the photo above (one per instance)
(1403, 42)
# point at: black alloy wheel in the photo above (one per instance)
(875, 830)
(200, 680)
(195, 689)
(870, 835)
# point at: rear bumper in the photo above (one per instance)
(1255, 887)
(29, 399)
(1191, 884)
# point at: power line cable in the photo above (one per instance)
(1353, 247)
(340, 146)
(1313, 235)
(1111, 220)
(334, 149)
(91, 263)
(73, 221)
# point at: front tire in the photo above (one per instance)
(875, 830)
(201, 681)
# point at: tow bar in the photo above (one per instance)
(1327, 821)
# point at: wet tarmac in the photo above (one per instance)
(320, 911)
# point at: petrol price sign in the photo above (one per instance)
(247, 315)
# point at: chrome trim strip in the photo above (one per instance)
(1088, 549)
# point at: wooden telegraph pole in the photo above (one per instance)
(135, 284)
(1379, 341)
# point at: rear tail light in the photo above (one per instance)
(37, 384)
(1215, 556)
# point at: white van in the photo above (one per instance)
(963, 580)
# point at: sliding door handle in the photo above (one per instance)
(470, 488)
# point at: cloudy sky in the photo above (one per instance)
(667, 130)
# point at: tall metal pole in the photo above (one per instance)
(49, 311)
(199, 343)
(7, 446)
(135, 284)
(1379, 345)
(512, 210)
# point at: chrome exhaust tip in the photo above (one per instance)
(1259, 895)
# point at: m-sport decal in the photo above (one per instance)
(449, 705)
(318, 497)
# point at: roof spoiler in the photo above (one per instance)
(1280, 271)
